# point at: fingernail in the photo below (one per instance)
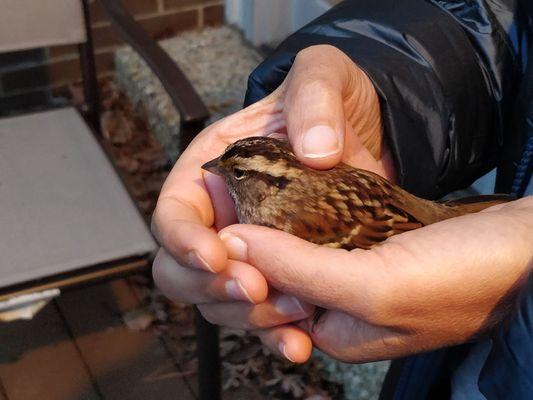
(319, 142)
(277, 135)
(237, 248)
(290, 306)
(237, 291)
(197, 261)
(283, 350)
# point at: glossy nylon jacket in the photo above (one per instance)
(447, 72)
(456, 94)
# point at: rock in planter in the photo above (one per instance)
(217, 62)
(360, 381)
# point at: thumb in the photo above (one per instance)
(316, 274)
(313, 106)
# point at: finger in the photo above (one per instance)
(402, 282)
(279, 135)
(239, 281)
(287, 341)
(184, 216)
(278, 309)
(314, 109)
(327, 277)
(359, 156)
(350, 339)
(184, 213)
(222, 203)
(192, 244)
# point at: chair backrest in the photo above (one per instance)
(26, 24)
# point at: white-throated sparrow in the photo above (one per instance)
(343, 207)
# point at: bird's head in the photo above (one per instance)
(255, 168)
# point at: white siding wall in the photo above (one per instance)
(270, 21)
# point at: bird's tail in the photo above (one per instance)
(472, 204)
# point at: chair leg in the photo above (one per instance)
(209, 367)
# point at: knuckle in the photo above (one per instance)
(217, 314)
(259, 323)
(174, 282)
(318, 85)
(323, 57)
(314, 91)
(261, 318)
(304, 54)
(315, 51)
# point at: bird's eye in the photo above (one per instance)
(238, 173)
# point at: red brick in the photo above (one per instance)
(213, 15)
(168, 25)
(104, 36)
(135, 7)
(105, 62)
(62, 51)
(63, 66)
(64, 71)
(158, 26)
(69, 70)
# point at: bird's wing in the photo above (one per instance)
(373, 209)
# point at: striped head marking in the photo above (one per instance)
(255, 168)
(256, 157)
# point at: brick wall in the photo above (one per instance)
(27, 74)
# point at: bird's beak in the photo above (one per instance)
(213, 166)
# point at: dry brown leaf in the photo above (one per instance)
(138, 320)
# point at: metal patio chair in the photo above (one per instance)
(66, 218)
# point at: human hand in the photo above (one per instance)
(330, 111)
(440, 285)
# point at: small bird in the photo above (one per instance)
(343, 207)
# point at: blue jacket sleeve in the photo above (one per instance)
(507, 373)
(446, 73)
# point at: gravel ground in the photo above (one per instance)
(218, 62)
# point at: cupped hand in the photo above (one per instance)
(329, 110)
(440, 285)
